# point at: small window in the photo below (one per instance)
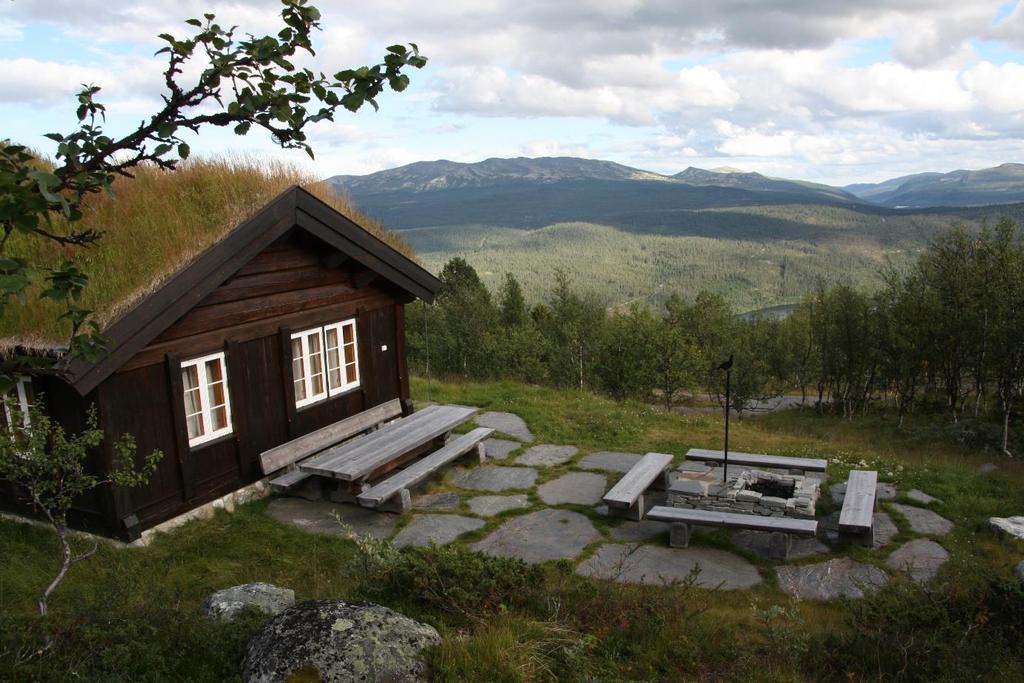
(324, 362)
(21, 400)
(207, 407)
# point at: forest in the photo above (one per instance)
(942, 334)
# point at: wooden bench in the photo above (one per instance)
(628, 498)
(782, 529)
(393, 493)
(288, 454)
(794, 465)
(857, 517)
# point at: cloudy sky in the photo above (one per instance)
(831, 90)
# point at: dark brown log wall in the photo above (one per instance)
(295, 284)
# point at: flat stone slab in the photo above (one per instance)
(613, 461)
(496, 478)
(576, 488)
(225, 605)
(1014, 526)
(841, 577)
(632, 532)
(547, 455)
(660, 565)
(317, 516)
(426, 530)
(694, 466)
(885, 529)
(921, 558)
(540, 536)
(488, 506)
(919, 496)
(436, 501)
(507, 423)
(924, 521)
(759, 543)
(499, 448)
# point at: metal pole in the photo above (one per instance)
(728, 405)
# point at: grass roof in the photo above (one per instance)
(154, 225)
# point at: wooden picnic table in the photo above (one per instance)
(356, 459)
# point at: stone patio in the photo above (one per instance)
(924, 521)
(921, 558)
(507, 423)
(613, 461)
(540, 536)
(426, 530)
(496, 478)
(547, 455)
(661, 565)
(621, 550)
(575, 488)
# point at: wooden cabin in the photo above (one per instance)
(292, 321)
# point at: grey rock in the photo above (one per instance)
(337, 642)
(1019, 570)
(687, 487)
(547, 455)
(885, 491)
(924, 521)
(488, 506)
(225, 605)
(507, 423)
(759, 543)
(426, 530)
(613, 461)
(436, 501)
(540, 536)
(1013, 526)
(988, 467)
(884, 530)
(319, 517)
(658, 565)
(601, 509)
(841, 577)
(496, 478)
(499, 448)
(631, 532)
(838, 492)
(921, 497)
(576, 488)
(921, 558)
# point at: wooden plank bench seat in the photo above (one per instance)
(857, 517)
(782, 528)
(287, 454)
(629, 496)
(393, 492)
(795, 465)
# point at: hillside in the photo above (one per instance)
(1003, 184)
(631, 235)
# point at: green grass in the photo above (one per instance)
(134, 614)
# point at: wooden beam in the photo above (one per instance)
(364, 278)
(334, 259)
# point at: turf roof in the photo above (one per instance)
(154, 225)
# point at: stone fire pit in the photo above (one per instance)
(750, 492)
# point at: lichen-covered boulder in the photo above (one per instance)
(226, 604)
(335, 641)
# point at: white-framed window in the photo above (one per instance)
(20, 399)
(204, 382)
(325, 362)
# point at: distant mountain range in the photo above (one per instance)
(1003, 184)
(635, 235)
